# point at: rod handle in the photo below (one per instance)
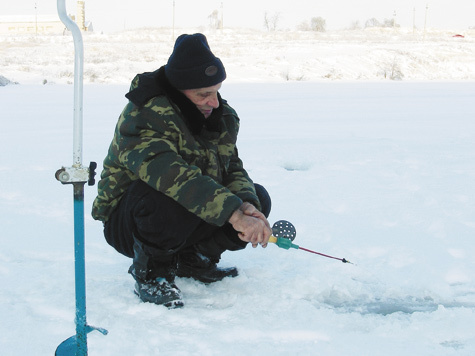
(283, 242)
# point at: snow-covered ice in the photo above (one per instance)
(377, 171)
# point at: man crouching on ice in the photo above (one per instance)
(173, 194)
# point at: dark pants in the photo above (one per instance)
(164, 227)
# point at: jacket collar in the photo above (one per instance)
(153, 84)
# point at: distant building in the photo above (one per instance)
(31, 24)
(81, 15)
(41, 24)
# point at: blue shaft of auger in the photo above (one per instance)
(80, 270)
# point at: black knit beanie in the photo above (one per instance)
(192, 65)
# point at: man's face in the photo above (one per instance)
(205, 99)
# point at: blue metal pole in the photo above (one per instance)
(80, 270)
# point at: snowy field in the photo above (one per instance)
(250, 55)
(375, 170)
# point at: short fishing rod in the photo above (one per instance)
(283, 233)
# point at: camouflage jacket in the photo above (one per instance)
(163, 139)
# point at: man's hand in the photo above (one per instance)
(251, 224)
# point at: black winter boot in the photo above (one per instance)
(193, 264)
(155, 279)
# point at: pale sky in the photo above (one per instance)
(111, 15)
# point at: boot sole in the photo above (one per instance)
(173, 304)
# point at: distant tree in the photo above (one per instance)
(386, 23)
(214, 21)
(389, 23)
(266, 21)
(303, 26)
(271, 21)
(355, 25)
(372, 23)
(318, 24)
